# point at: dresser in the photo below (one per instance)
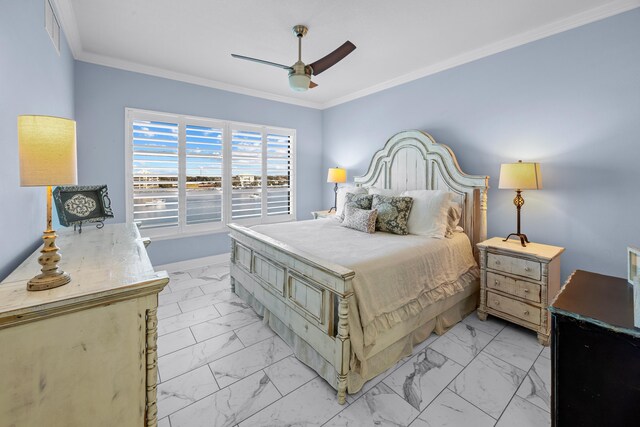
(517, 283)
(595, 353)
(83, 354)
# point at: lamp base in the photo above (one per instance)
(48, 281)
(523, 238)
(51, 276)
(335, 198)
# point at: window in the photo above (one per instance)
(189, 175)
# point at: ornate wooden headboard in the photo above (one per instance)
(413, 160)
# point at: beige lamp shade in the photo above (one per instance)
(47, 147)
(520, 176)
(337, 175)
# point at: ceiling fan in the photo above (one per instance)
(299, 73)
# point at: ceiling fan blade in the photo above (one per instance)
(261, 61)
(333, 58)
(312, 85)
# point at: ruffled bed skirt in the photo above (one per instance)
(387, 321)
(393, 343)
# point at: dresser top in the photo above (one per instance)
(105, 264)
(603, 300)
(538, 250)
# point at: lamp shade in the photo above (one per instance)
(47, 148)
(337, 175)
(520, 176)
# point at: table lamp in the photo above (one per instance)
(47, 148)
(335, 176)
(520, 176)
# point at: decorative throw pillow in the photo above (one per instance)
(361, 201)
(342, 192)
(393, 213)
(360, 219)
(429, 215)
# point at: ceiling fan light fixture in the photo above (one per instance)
(300, 73)
(299, 82)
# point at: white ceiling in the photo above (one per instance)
(397, 41)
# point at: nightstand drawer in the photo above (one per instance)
(514, 308)
(517, 266)
(519, 288)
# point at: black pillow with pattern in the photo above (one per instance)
(360, 201)
(393, 213)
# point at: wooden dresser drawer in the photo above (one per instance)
(514, 308)
(520, 288)
(517, 266)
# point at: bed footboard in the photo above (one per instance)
(309, 295)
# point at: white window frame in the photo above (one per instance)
(183, 229)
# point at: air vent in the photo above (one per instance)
(51, 25)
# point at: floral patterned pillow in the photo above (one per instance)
(360, 219)
(393, 213)
(360, 201)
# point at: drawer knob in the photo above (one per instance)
(497, 302)
(526, 291)
(527, 269)
(526, 313)
(497, 282)
(497, 262)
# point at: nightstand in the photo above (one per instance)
(517, 283)
(323, 214)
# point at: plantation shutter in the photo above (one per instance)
(189, 175)
(246, 174)
(155, 173)
(279, 170)
(204, 169)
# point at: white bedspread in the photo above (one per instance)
(396, 276)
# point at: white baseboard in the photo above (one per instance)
(194, 263)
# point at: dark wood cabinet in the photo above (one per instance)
(595, 354)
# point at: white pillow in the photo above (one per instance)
(453, 218)
(383, 192)
(429, 214)
(342, 191)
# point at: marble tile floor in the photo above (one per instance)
(219, 365)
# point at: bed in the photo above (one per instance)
(315, 281)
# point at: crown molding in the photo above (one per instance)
(68, 21)
(188, 78)
(569, 23)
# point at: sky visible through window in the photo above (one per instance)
(204, 151)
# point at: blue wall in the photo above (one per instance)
(101, 95)
(570, 102)
(34, 79)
